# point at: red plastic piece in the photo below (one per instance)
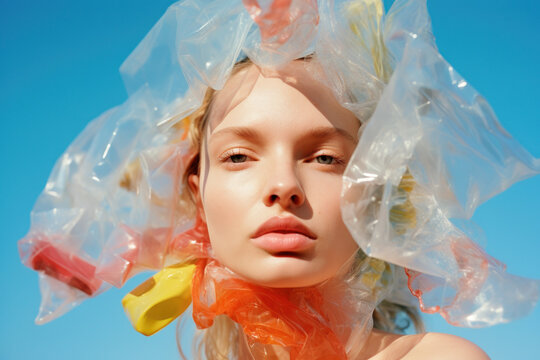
(68, 268)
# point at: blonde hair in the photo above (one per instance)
(221, 341)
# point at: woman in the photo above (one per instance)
(381, 70)
(268, 187)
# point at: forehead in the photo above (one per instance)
(290, 93)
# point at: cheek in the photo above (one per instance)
(324, 194)
(227, 201)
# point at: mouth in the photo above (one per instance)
(286, 254)
(284, 237)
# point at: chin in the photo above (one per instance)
(286, 272)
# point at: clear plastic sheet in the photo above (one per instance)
(285, 31)
(431, 152)
(433, 127)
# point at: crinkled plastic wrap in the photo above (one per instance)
(331, 320)
(430, 154)
(431, 150)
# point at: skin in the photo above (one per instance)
(426, 346)
(277, 147)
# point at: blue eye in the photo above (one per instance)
(239, 158)
(325, 159)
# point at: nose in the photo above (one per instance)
(284, 187)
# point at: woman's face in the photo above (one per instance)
(272, 159)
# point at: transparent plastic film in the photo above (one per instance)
(285, 32)
(430, 154)
(110, 207)
(194, 45)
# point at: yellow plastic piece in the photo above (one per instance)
(364, 17)
(373, 273)
(403, 215)
(159, 300)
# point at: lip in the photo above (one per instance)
(283, 235)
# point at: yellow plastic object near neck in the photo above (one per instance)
(159, 300)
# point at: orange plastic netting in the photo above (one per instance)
(296, 319)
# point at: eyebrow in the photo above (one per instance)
(322, 132)
(325, 132)
(240, 131)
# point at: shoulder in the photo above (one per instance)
(442, 347)
(426, 346)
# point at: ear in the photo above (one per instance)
(193, 183)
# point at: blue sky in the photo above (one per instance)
(59, 64)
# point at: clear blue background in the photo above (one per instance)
(58, 70)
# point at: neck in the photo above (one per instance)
(261, 351)
(330, 320)
(345, 314)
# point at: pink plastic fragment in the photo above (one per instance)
(281, 17)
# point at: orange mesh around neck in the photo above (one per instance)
(292, 318)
